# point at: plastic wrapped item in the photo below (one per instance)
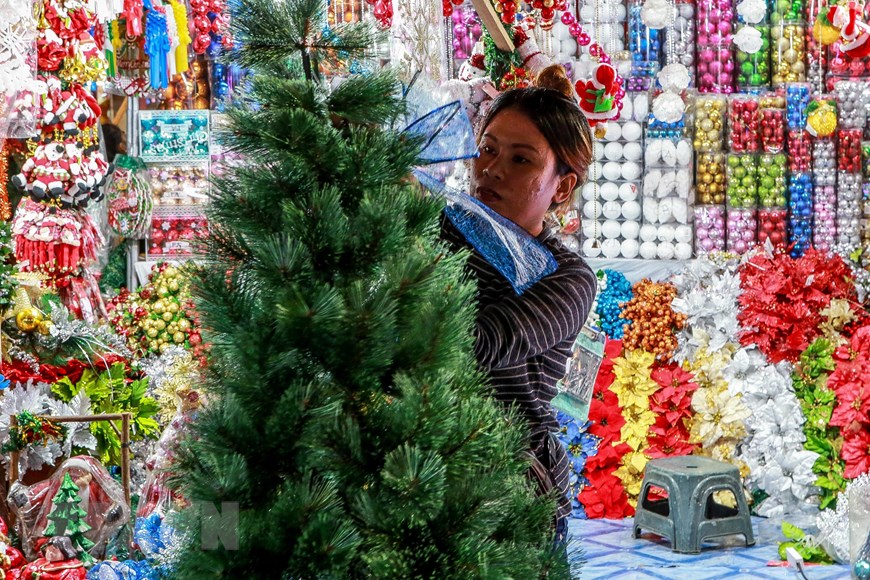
(744, 124)
(817, 53)
(772, 180)
(128, 191)
(849, 150)
(715, 61)
(800, 203)
(753, 69)
(742, 226)
(176, 234)
(575, 389)
(645, 45)
(741, 189)
(800, 151)
(100, 495)
(710, 178)
(667, 193)
(859, 531)
(680, 37)
(787, 59)
(772, 130)
(772, 226)
(786, 11)
(709, 228)
(710, 118)
(797, 97)
(824, 194)
(182, 184)
(17, 70)
(849, 208)
(852, 97)
(609, 17)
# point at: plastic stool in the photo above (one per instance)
(689, 515)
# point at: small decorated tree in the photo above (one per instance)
(67, 518)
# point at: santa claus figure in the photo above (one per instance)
(58, 562)
(854, 32)
(599, 96)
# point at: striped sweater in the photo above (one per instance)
(523, 342)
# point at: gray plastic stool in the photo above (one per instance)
(689, 515)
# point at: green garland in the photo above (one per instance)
(8, 282)
(817, 403)
(498, 62)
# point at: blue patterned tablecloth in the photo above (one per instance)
(611, 553)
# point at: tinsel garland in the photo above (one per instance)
(5, 207)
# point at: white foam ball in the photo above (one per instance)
(669, 153)
(613, 151)
(611, 229)
(631, 210)
(592, 210)
(619, 12)
(629, 248)
(665, 251)
(588, 191)
(591, 229)
(627, 109)
(648, 250)
(591, 249)
(665, 211)
(596, 170)
(680, 210)
(650, 210)
(612, 170)
(649, 233)
(611, 210)
(613, 132)
(630, 170)
(569, 46)
(609, 191)
(682, 250)
(683, 233)
(666, 233)
(632, 131)
(610, 248)
(630, 230)
(587, 13)
(560, 31)
(632, 151)
(555, 45)
(641, 107)
(598, 151)
(628, 191)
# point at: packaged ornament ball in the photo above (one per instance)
(680, 37)
(849, 208)
(849, 152)
(824, 193)
(709, 228)
(797, 97)
(715, 61)
(744, 124)
(710, 119)
(800, 203)
(742, 229)
(128, 191)
(800, 151)
(786, 11)
(772, 130)
(741, 181)
(852, 97)
(788, 55)
(772, 188)
(753, 57)
(710, 178)
(772, 226)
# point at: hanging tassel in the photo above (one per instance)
(182, 60)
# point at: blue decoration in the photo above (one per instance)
(157, 47)
(644, 43)
(4, 383)
(800, 205)
(797, 97)
(126, 570)
(173, 135)
(153, 535)
(610, 300)
(580, 445)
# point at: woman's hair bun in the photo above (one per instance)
(554, 77)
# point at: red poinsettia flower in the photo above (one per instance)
(668, 439)
(605, 497)
(612, 350)
(782, 299)
(853, 401)
(675, 397)
(856, 452)
(606, 417)
(607, 460)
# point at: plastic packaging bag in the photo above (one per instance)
(129, 193)
(575, 389)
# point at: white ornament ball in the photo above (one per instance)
(560, 31)
(630, 170)
(653, 153)
(630, 230)
(682, 250)
(627, 109)
(591, 248)
(592, 210)
(683, 233)
(611, 171)
(613, 151)
(631, 210)
(665, 251)
(609, 191)
(628, 191)
(613, 132)
(587, 13)
(632, 131)
(596, 170)
(666, 233)
(649, 233)
(591, 229)
(598, 151)
(589, 189)
(632, 151)
(568, 46)
(619, 12)
(610, 248)
(648, 250)
(665, 211)
(641, 107)
(629, 248)
(650, 210)
(611, 229)
(611, 210)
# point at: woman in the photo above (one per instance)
(535, 149)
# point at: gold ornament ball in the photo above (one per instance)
(28, 319)
(152, 333)
(173, 307)
(167, 316)
(173, 286)
(160, 325)
(184, 325)
(44, 327)
(178, 338)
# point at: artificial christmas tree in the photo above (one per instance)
(67, 518)
(347, 419)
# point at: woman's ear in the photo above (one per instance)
(566, 186)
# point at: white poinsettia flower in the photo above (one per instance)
(752, 11)
(656, 14)
(36, 399)
(674, 78)
(668, 107)
(748, 39)
(78, 434)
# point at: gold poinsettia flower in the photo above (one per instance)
(718, 414)
(636, 428)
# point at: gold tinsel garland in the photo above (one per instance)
(5, 207)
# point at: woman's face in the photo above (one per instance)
(516, 173)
